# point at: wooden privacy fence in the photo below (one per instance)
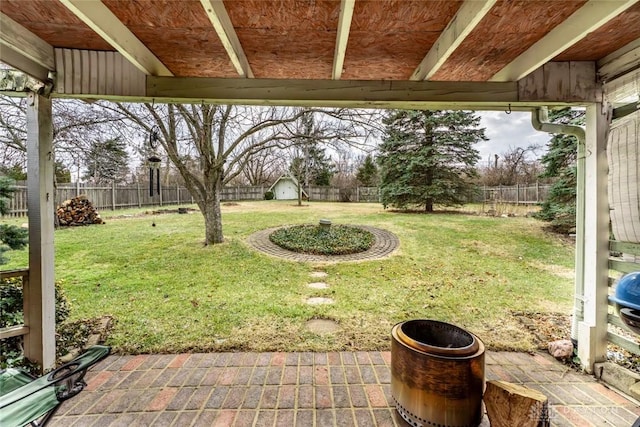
(114, 196)
(137, 195)
(529, 194)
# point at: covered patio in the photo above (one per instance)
(478, 55)
(305, 389)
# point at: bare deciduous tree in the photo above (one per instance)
(264, 167)
(76, 125)
(224, 139)
(515, 166)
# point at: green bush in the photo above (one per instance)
(269, 195)
(11, 314)
(313, 239)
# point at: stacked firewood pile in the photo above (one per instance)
(78, 211)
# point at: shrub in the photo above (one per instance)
(313, 239)
(11, 314)
(269, 195)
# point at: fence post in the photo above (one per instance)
(537, 192)
(161, 188)
(138, 192)
(517, 194)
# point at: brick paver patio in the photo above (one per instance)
(304, 389)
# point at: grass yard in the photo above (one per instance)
(169, 293)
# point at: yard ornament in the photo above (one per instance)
(154, 162)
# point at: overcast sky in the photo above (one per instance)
(507, 131)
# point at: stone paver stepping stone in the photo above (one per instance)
(322, 326)
(319, 300)
(318, 274)
(318, 285)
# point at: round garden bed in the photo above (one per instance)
(384, 244)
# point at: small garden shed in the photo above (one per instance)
(286, 188)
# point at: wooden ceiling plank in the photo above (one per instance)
(622, 60)
(468, 16)
(101, 20)
(342, 37)
(588, 18)
(221, 22)
(24, 50)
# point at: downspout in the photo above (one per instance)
(539, 121)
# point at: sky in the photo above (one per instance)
(507, 131)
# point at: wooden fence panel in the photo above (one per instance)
(137, 195)
(516, 194)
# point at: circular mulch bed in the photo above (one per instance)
(385, 243)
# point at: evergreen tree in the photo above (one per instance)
(62, 173)
(427, 158)
(11, 236)
(367, 174)
(559, 208)
(107, 161)
(316, 164)
(14, 172)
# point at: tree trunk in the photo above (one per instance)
(210, 208)
(428, 206)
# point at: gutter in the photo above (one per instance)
(540, 122)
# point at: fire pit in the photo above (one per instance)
(437, 374)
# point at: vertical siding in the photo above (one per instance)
(84, 72)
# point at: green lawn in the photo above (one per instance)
(169, 293)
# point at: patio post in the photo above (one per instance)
(592, 329)
(39, 293)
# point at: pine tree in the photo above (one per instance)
(11, 236)
(317, 165)
(367, 174)
(427, 158)
(559, 208)
(107, 161)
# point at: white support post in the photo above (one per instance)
(592, 330)
(39, 295)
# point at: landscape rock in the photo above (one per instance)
(561, 349)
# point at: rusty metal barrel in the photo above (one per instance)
(437, 374)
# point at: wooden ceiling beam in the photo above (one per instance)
(468, 16)
(23, 50)
(101, 20)
(342, 37)
(588, 18)
(224, 28)
(619, 62)
(327, 92)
